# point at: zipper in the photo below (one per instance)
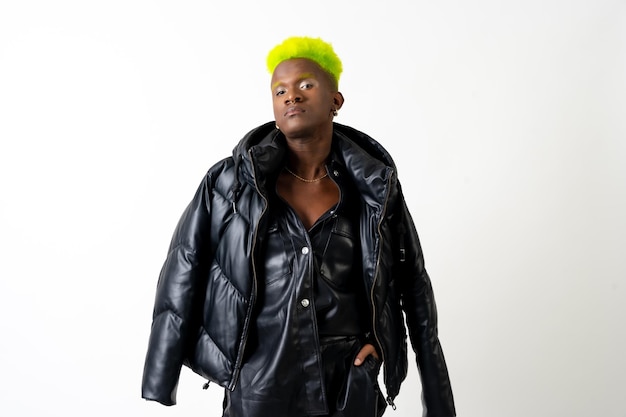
(382, 216)
(254, 277)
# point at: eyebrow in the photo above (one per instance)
(302, 77)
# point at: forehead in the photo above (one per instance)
(296, 69)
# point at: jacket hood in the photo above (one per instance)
(261, 153)
(271, 140)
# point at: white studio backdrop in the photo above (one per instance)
(506, 120)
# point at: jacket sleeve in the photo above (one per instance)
(421, 317)
(178, 283)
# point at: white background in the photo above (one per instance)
(506, 120)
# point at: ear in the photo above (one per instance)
(338, 100)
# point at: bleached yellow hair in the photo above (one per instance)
(315, 49)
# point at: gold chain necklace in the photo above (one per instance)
(304, 179)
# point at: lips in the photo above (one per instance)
(294, 110)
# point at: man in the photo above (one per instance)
(289, 271)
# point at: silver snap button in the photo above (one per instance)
(336, 173)
(305, 250)
(305, 302)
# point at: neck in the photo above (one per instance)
(307, 157)
(307, 165)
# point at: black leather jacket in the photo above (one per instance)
(207, 287)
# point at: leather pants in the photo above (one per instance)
(351, 391)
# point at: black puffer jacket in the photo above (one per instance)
(206, 291)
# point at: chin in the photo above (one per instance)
(297, 129)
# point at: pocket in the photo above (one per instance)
(372, 365)
(341, 255)
(276, 261)
(361, 395)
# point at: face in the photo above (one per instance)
(304, 98)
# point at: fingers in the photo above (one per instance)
(365, 351)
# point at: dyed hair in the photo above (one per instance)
(314, 49)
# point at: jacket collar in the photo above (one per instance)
(260, 155)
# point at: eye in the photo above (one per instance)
(305, 85)
(279, 92)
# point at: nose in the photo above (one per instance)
(293, 97)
